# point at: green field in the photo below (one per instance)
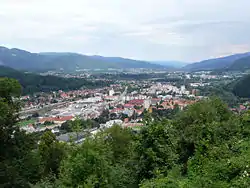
(26, 122)
(137, 128)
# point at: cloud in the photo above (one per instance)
(187, 30)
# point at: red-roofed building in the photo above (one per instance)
(116, 110)
(138, 102)
(242, 107)
(126, 120)
(139, 112)
(128, 105)
(56, 119)
(155, 101)
(64, 95)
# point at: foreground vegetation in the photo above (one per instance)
(204, 146)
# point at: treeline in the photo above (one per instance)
(204, 146)
(32, 83)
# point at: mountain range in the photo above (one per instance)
(232, 62)
(171, 64)
(24, 60)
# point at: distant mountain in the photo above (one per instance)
(32, 83)
(125, 62)
(217, 63)
(24, 60)
(171, 64)
(241, 64)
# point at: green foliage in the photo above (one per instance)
(9, 88)
(78, 125)
(51, 152)
(101, 161)
(241, 87)
(15, 145)
(224, 92)
(155, 150)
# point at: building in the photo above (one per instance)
(136, 102)
(146, 103)
(57, 119)
(111, 123)
(111, 92)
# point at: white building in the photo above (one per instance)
(111, 92)
(183, 89)
(147, 103)
(111, 123)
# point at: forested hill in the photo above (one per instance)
(241, 87)
(32, 83)
(241, 64)
(217, 63)
(24, 60)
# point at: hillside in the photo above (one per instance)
(24, 60)
(241, 64)
(216, 63)
(171, 64)
(32, 83)
(241, 88)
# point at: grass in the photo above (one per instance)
(136, 127)
(26, 122)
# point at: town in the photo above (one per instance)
(125, 102)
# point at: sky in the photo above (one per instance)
(182, 30)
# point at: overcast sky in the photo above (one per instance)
(184, 30)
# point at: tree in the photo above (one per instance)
(52, 152)
(15, 145)
(102, 161)
(119, 140)
(76, 126)
(35, 115)
(86, 165)
(155, 150)
(66, 126)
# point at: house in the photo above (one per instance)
(111, 123)
(57, 119)
(137, 102)
(155, 101)
(128, 105)
(242, 107)
(111, 98)
(138, 112)
(117, 110)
